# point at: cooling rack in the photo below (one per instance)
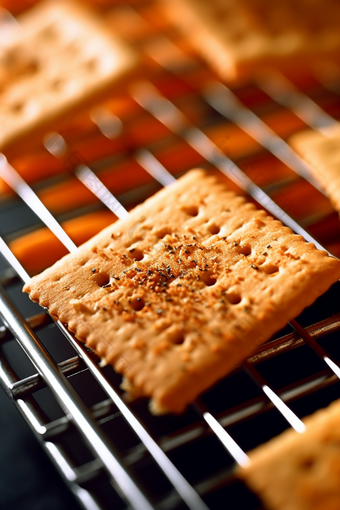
(93, 168)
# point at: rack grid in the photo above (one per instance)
(113, 453)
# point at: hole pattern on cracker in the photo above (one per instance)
(135, 254)
(307, 463)
(102, 279)
(234, 298)
(270, 268)
(213, 228)
(190, 210)
(208, 278)
(137, 304)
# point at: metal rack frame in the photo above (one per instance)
(121, 468)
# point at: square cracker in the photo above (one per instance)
(299, 471)
(181, 291)
(322, 152)
(60, 57)
(237, 37)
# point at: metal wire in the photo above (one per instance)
(281, 90)
(167, 113)
(17, 183)
(70, 402)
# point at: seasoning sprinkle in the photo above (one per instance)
(254, 267)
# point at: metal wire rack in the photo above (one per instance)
(115, 454)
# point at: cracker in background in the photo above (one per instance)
(299, 471)
(186, 287)
(59, 58)
(323, 154)
(237, 37)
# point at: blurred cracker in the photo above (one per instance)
(60, 59)
(322, 152)
(239, 37)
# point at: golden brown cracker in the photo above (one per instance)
(299, 471)
(184, 288)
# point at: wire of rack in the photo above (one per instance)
(121, 446)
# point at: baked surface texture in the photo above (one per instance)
(238, 36)
(322, 152)
(181, 291)
(60, 58)
(299, 471)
